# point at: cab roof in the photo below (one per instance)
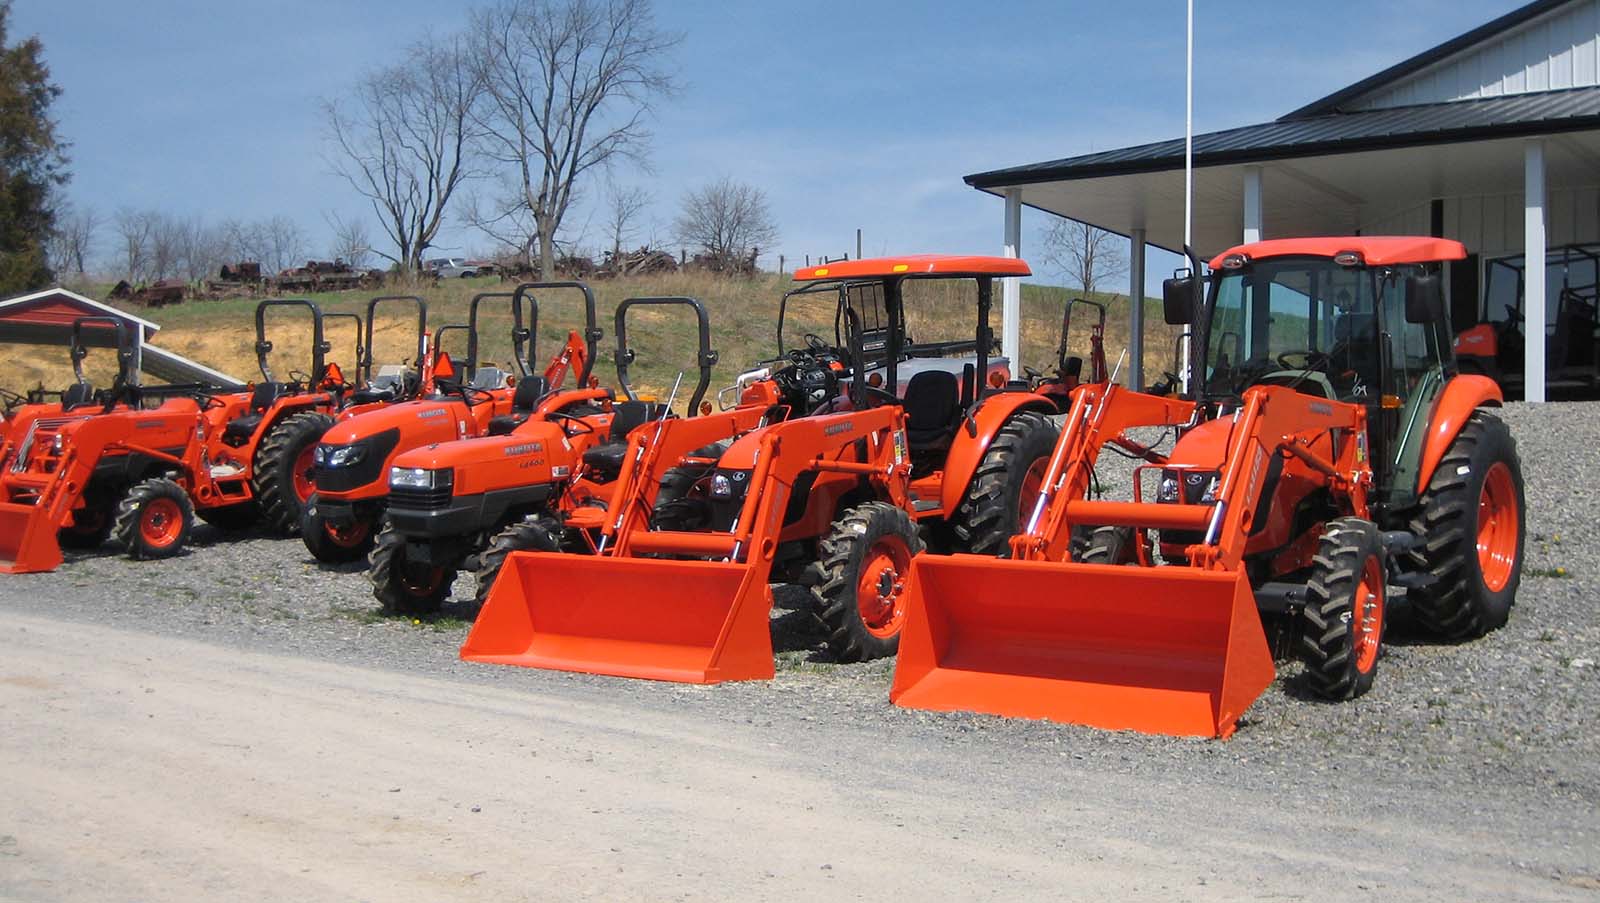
(916, 264)
(1375, 250)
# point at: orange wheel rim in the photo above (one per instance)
(421, 582)
(1498, 523)
(160, 523)
(1032, 484)
(303, 465)
(350, 536)
(880, 591)
(1366, 619)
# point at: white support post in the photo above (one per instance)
(1136, 310)
(137, 376)
(1533, 246)
(1011, 286)
(1252, 205)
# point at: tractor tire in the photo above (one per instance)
(1341, 626)
(282, 474)
(335, 545)
(531, 535)
(1000, 497)
(1474, 498)
(91, 527)
(403, 587)
(1108, 545)
(858, 583)
(676, 506)
(154, 519)
(232, 518)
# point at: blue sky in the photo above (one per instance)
(849, 114)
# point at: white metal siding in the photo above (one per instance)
(1560, 49)
(1492, 224)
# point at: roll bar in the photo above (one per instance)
(126, 375)
(519, 334)
(591, 330)
(360, 348)
(705, 359)
(319, 344)
(422, 331)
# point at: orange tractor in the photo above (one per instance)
(840, 500)
(1069, 375)
(351, 463)
(447, 501)
(1331, 466)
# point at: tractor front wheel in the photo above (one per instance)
(531, 535)
(154, 519)
(1107, 545)
(91, 524)
(1001, 496)
(1341, 625)
(331, 544)
(860, 582)
(282, 476)
(405, 587)
(1470, 528)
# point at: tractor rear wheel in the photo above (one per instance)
(859, 582)
(536, 534)
(1000, 497)
(1470, 530)
(406, 587)
(335, 545)
(282, 475)
(1341, 625)
(154, 519)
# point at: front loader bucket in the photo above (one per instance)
(658, 619)
(27, 540)
(1166, 650)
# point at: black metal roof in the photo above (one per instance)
(1512, 116)
(1334, 103)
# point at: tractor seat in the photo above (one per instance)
(605, 461)
(239, 430)
(77, 394)
(489, 378)
(933, 409)
(523, 401)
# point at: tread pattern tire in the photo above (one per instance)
(833, 578)
(394, 582)
(531, 535)
(990, 512)
(674, 509)
(1326, 639)
(1108, 545)
(1453, 601)
(273, 475)
(127, 529)
(326, 549)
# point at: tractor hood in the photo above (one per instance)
(1205, 446)
(531, 455)
(419, 422)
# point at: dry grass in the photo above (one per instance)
(743, 313)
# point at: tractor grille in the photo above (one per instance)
(419, 499)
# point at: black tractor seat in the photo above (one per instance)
(605, 461)
(239, 430)
(523, 401)
(933, 410)
(77, 394)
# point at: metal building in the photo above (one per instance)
(1491, 138)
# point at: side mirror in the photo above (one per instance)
(1424, 299)
(1177, 300)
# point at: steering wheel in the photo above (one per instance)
(467, 393)
(815, 342)
(1313, 360)
(566, 418)
(12, 399)
(297, 376)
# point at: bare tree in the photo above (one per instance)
(133, 242)
(404, 140)
(351, 241)
(568, 85)
(71, 246)
(283, 243)
(622, 216)
(1086, 256)
(201, 248)
(728, 219)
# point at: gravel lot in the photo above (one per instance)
(1500, 733)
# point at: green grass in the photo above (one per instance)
(743, 314)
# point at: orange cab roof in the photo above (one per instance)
(915, 264)
(1376, 250)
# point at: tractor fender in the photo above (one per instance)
(967, 450)
(1461, 396)
(564, 397)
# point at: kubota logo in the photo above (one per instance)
(436, 412)
(838, 428)
(512, 451)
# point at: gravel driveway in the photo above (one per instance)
(1495, 738)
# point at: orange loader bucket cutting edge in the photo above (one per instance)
(1169, 650)
(28, 543)
(657, 619)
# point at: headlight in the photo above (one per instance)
(721, 486)
(1210, 495)
(335, 456)
(729, 484)
(419, 478)
(1169, 489)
